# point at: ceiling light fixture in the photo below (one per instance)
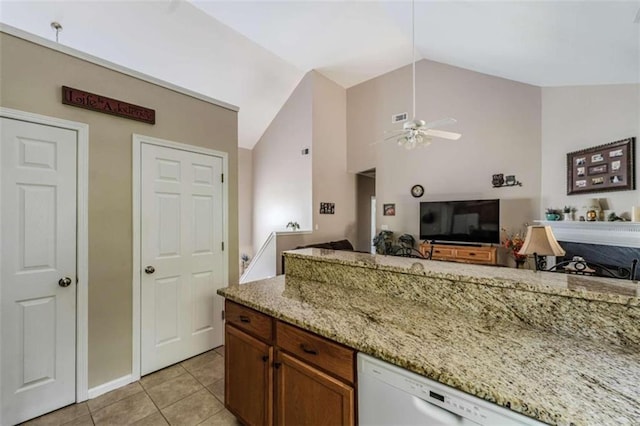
(417, 132)
(58, 27)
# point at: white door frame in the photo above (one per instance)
(138, 140)
(82, 238)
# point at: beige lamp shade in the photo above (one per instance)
(540, 240)
(593, 203)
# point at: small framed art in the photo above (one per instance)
(389, 209)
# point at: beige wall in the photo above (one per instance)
(500, 121)
(331, 181)
(579, 117)
(282, 188)
(31, 79)
(245, 201)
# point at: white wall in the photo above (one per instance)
(579, 117)
(282, 178)
(501, 125)
(245, 201)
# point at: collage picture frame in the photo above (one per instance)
(603, 168)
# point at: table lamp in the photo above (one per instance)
(540, 242)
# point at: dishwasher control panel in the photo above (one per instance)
(445, 399)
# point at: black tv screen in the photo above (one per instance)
(471, 221)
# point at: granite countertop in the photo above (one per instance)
(553, 378)
(586, 287)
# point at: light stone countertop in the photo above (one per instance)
(610, 290)
(553, 378)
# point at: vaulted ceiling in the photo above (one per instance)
(253, 54)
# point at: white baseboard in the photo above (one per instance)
(109, 386)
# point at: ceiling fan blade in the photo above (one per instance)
(440, 123)
(388, 132)
(442, 134)
(396, 136)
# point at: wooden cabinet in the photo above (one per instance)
(466, 254)
(276, 372)
(253, 322)
(318, 351)
(249, 377)
(307, 396)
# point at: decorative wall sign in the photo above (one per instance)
(327, 208)
(603, 168)
(389, 209)
(82, 99)
(499, 180)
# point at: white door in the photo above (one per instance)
(38, 269)
(181, 255)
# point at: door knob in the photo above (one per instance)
(149, 269)
(64, 282)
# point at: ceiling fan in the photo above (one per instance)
(418, 132)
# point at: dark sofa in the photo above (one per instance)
(331, 245)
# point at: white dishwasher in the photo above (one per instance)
(390, 395)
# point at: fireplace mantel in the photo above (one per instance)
(622, 234)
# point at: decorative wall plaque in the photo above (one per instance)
(82, 99)
(327, 208)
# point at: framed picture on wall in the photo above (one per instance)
(603, 168)
(389, 209)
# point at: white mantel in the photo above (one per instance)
(625, 234)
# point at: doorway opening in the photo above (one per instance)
(366, 210)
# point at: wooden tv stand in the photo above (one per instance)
(484, 255)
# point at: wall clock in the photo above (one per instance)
(417, 191)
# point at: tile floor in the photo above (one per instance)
(188, 393)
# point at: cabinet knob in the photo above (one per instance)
(277, 365)
(265, 358)
(244, 319)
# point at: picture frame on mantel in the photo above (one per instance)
(603, 168)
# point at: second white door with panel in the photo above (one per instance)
(181, 255)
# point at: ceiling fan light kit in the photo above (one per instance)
(417, 132)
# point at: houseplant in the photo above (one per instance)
(567, 213)
(383, 242)
(245, 261)
(513, 243)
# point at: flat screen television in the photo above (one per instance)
(469, 221)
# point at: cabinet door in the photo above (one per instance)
(306, 396)
(248, 377)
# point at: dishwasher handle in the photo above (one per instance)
(437, 413)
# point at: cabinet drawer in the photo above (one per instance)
(443, 252)
(474, 255)
(253, 322)
(316, 350)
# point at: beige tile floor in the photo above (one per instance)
(188, 393)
